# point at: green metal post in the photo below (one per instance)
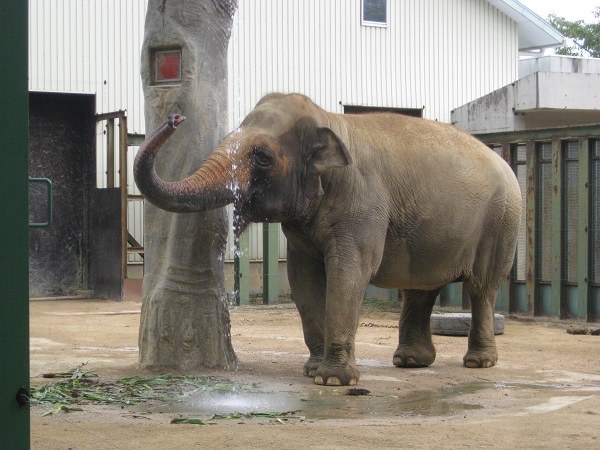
(241, 265)
(110, 154)
(531, 219)
(14, 285)
(557, 229)
(456, 298)
(583, 237)
(270, 262)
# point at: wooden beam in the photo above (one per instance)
(123, 186)
(110, 115)
(539, 135)
(531, 286)
(557, 269)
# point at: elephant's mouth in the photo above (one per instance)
(246, 210)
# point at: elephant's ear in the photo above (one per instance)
(326, 152)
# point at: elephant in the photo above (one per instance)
(385, 199)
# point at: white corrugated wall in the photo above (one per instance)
(439, 54)
(436, 54)
(93, 47)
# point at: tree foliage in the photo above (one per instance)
(584, 38)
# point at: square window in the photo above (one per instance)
(167, 66)
(375, 13)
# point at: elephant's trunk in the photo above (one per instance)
(208, 188)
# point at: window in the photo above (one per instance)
(355, 109)
(166, 66)
(375, 13)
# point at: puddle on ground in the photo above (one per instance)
(327, 404)
(227, 402)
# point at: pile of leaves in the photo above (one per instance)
(78, 387)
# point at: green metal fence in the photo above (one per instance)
(557, 265)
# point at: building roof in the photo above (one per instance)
(534, 32)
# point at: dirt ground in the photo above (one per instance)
(544, 392)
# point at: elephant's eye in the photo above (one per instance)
(263, 157)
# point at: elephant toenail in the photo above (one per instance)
(318, 380)
(333, 381)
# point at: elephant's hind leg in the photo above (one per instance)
(415, 347)
(482, 346)
(494, 259)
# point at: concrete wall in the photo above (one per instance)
(556, 64)
(539, 100)
(558, 90)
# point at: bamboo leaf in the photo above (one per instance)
(189, 420)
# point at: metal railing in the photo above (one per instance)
(49, 205)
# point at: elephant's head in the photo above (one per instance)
(269, 167)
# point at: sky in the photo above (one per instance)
(569, 9)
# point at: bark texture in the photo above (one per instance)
(185, 320)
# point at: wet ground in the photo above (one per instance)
(544, 392)
(425, 403)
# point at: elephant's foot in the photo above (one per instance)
(336, 376)
(414, 355)
(311, 366)
(480, 359)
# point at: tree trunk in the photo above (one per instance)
(185, 319)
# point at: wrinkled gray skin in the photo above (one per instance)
(390, 200)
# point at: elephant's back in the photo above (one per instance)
(403, 139)
(428, 163)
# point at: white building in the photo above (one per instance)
(424, 56)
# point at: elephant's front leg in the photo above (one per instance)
(345, 291)
(306, 275)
